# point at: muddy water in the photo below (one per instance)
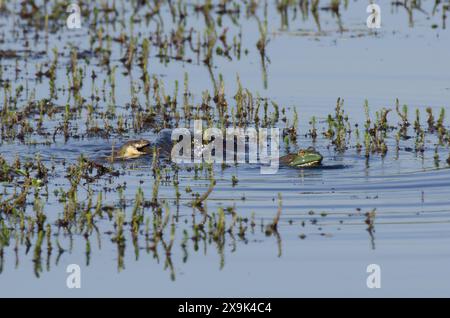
(323, 245)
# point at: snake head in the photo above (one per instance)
(139, 145)
(134, 148)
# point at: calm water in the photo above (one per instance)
(322, 246)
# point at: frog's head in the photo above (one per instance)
(306, 158)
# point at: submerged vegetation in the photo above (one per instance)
(107, 89)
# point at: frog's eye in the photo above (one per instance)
(301, 153)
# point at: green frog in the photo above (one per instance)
(303, 158)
